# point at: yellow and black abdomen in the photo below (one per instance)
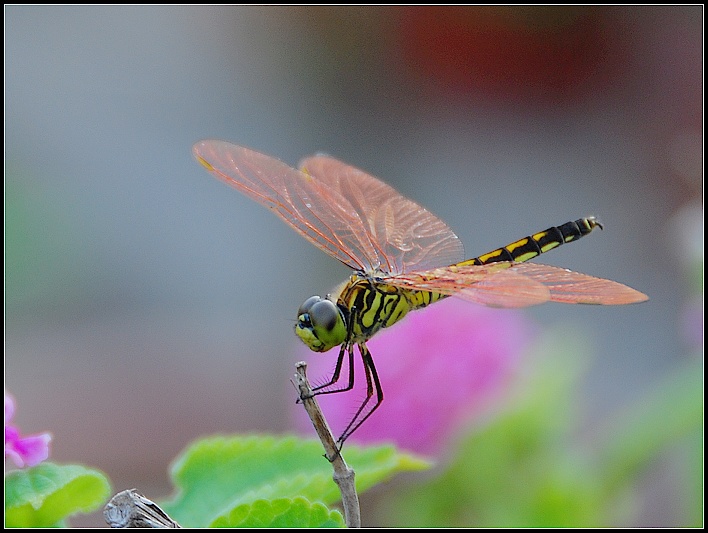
(538, 243)
(374, 305)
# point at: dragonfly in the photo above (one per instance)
(402, 256)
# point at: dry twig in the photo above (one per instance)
(343, 475)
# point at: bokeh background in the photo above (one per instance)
(148, 304)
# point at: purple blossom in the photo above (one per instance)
(440, 368)
(24, 451)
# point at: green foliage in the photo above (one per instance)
(281, 512)
(221, 479)
(47, 494)
(528, 468)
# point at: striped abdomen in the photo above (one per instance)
(377, 305)
(518, 251)
(538, 243)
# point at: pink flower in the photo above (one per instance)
(439, 369)
(24, 451)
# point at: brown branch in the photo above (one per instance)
(343, 475)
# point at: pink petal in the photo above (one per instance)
(439, 368)
(26, 451)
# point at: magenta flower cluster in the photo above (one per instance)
(24, 451)
(440, 368)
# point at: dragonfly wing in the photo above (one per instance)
(571, 287)
(406, 236)
(315, 210)
(494, 284)
(507, 284)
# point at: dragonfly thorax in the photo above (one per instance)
(371, 304)
(320, 324)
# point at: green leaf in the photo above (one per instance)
(216, 474)
(516, 470)
(282, 512)
(538, 463)
(48, 493)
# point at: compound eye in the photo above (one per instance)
(320, 324)
(307, 305)
(324, 315)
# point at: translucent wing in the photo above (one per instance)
(506, 284)
(405, 235)
(494, 284)
(350, 215)
(570, 287)
(317, 213)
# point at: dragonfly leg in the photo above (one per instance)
(372, 381)
(347, 346)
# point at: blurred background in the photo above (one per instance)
(147, 304)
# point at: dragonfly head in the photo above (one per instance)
(320, 324)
